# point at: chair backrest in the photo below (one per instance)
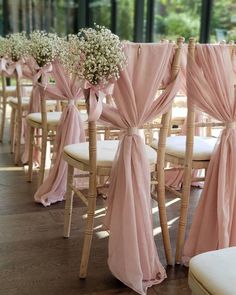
(211, 87)
(166, 118)
(191, 112)
(175, 66)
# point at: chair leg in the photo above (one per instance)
(161, 186)
(43, 157)
(163, 216)
(12, 129)
(11, 124)
(183, 213)
(31, 148)
(3, 118)
(92, 197)
(18, 138)
(69, 202)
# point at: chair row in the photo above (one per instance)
(98, 158)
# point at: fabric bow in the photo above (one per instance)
(41, 72)
(9, 68)
(3, 64)
(96, 95)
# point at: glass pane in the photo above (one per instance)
(60, 18)
(174, 18)
(100, 12)
(125, 19)
(223, 24)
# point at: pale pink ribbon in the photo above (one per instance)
(3, 64)
(69, 131)
(96, 96)
(33, 71)
(10, 68)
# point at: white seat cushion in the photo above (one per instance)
(178, 112)
(52, 117)
(202, 148)
(213, 272)
(24, 100)
(9, 89)
(106, 151)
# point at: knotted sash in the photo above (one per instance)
(133, 257)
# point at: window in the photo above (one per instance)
(174, 18)
(223, 24)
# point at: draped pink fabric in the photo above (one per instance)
(3, 62)
(96, 96)
(70, 130)
(133, 257)
(10, 68)
(32, 71)
(211, 87)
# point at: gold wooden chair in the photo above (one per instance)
(5, 92)
(95, 157)
(188, 153)
(42, 127)
(45, 123)
(19, 106)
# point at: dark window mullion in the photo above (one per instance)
(138, 20)
(150, 21)
(206, 21)
(114, 16)
(83, 13)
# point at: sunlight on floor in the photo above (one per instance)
(157, 230)
(155, 209)
(100, 211)
(102, 234)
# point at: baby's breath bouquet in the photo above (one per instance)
(101, 55)
(69, 54)
(44, 47)
(3, 47)
(15, 46)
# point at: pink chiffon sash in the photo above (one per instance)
(211, 87)
(69, 131)
(133, 257)
(10, 68)
(32, 71)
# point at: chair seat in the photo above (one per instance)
(24, 100)
(202, 148)
(10, 90)
(106, 151)
(179, 112)
(52, 117)
(213, 272)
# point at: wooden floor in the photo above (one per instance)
(36, 260)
